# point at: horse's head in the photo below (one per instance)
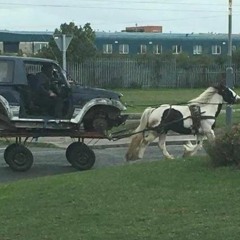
(228, 94)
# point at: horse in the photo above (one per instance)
(197, 117)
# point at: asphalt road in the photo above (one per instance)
(52, 161)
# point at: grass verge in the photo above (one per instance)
(179, 199)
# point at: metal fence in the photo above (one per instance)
(134, 73)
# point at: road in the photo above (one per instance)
(52, 161)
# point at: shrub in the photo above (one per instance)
(225, 150)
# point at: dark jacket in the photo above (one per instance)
(43, 84)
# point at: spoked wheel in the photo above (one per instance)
(18, 157)
(80, 156)
(8, 150)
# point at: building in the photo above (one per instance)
(133, 43)
(128, 43)
(152, 29)
(28, 42)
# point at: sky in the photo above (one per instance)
(176, 16)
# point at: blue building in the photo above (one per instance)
(157, 43)
(128, 43)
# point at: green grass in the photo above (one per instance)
(179, 199)
(138, 99)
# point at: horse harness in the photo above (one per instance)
(196, 116)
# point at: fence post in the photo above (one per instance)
(229, 70)
(229, 81)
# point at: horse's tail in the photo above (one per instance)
(144, 119)
(134, 147)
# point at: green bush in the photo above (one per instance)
(225, 150)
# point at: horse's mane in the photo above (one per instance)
(204, 97)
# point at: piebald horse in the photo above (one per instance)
(197, 117)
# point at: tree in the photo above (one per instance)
(81, 47)
(236, 58)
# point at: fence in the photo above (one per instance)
(122, 73)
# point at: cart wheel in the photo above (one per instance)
(69, 149)
(8, 150)
(20, 158)
(80, 156)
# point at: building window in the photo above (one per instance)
(38, 46)
(123, 48)
(216, 49)
(107, 48)
(11, 47)
(176, 49)
(6, 71)
(143, 49)
(157, 49)
(197, 49)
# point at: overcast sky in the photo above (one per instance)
(179, 16)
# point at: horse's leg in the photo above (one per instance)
(148, 137)
(191, 149)
(162, 146)
(210, 136)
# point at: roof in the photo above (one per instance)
(152, 36)
(32, 59)
(24, 36)
(37, 36)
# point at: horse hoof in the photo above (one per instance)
(131, 158)
(187, 154)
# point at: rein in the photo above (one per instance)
(196, 116)
(181, 103)
(158, 128)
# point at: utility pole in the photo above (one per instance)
(229, 70)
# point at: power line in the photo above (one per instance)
(158, 2)
(130, 22)
(105, 7)
(101, 6)
(113, 1)
(123, 1)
